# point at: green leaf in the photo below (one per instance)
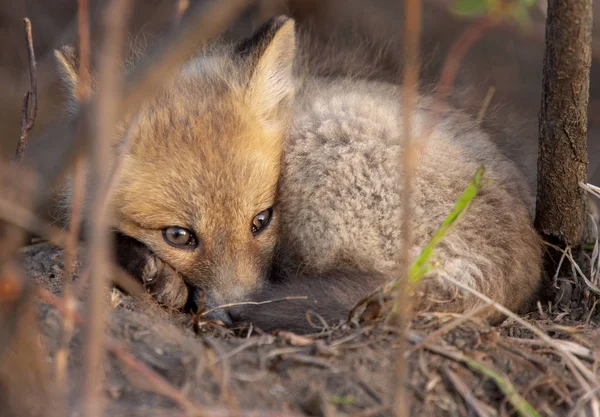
(471, 7)
(421, 266)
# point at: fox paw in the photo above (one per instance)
(164, 283)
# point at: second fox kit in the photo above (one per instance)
(247, 182)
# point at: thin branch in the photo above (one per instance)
(29, 110)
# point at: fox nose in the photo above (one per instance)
(201, 298)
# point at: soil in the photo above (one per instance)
(159, 364)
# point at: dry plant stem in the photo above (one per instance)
(29, 111)
(412, 33)
(563, 160)
(115, 20)
(83, 33)
(83, 92)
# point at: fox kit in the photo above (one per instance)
(249, 180)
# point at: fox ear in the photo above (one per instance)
(271, 52)
(68, 68)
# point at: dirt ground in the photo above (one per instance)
(456, 365)
(507, 58)
(163, 363)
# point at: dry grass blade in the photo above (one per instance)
(251, 303)
(568, 254)
(29, 110)
(115, 26)
(576, 349)
(584, 375)
(482, 410)
(521, 406)
(592, 189)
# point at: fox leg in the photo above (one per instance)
(508, 275)
(164, 283)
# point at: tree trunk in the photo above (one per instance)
(562, 161)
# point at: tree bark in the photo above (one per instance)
(562, 161)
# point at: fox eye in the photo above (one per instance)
(261, 220)
(180, 237)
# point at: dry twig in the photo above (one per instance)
(29, 110)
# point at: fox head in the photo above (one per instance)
(198, 184)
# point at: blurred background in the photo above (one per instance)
(508, 57)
